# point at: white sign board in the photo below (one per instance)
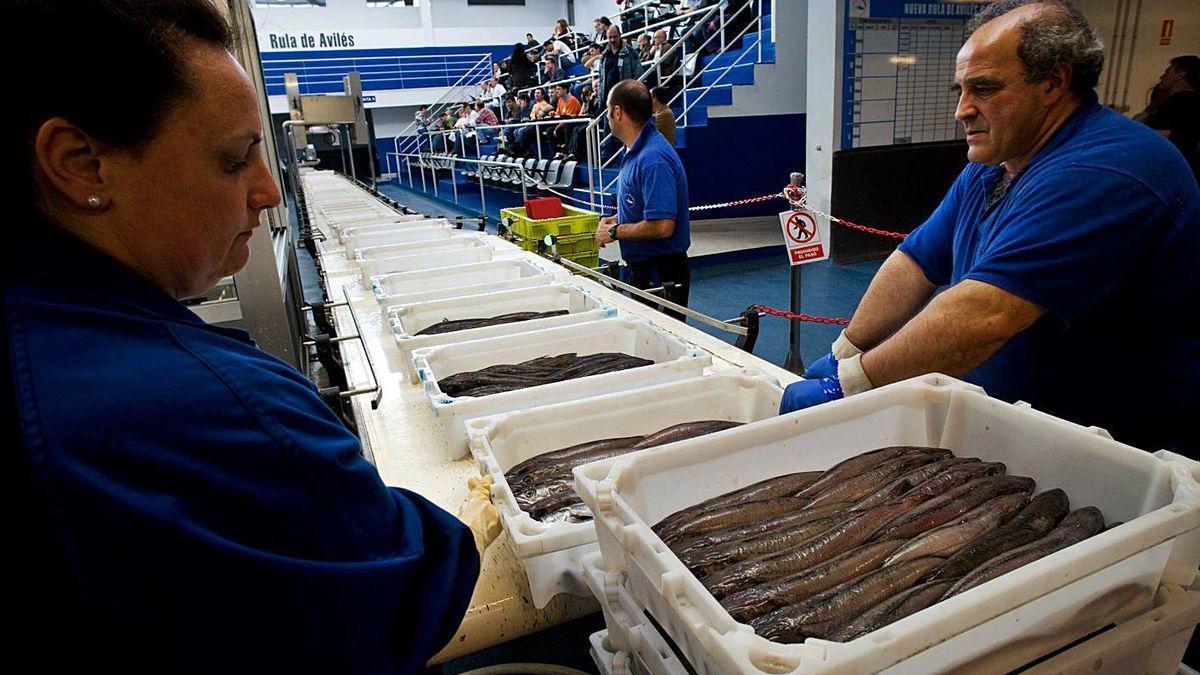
(806, 235)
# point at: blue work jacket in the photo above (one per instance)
(200, 508)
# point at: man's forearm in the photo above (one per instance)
(895, 295)
(954, 334)
(659, 228)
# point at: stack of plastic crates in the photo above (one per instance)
(575, 233)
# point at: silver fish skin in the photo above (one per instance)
(766, 597)
(702, 561)
(812, 617)
(844, 536)
(856, 465)
(890, 611)
(787, 485)
(908, 481)
(726, 517)
(956, 476)
(950, 538)
(1077, 526)
(684, 431)
(943, 509)
(862, 485)
(799, 517)
(1033, 522)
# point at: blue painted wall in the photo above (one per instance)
(321, 71)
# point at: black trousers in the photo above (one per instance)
(661, 269)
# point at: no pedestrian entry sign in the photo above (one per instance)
(806, 235)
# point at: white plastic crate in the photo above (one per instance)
(407, 320)
(359, 231)
(550, 552)
(395, 289)
(395, 233)
(341, 221)
(673, 359)
(401, 299)
(629, 630)
(1081, 588)
(415, 262)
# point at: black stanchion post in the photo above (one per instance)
(795, 362)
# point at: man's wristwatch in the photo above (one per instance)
(612, 232)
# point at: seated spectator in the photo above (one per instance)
(550, 71)
(664, 117)
(463, 129)
(530, 43)
(485, 117)
(600, 30)
(591, 58)
(422, 119)
(502, 74)
(558, 49)
(590, 106)
(643, 47)
(566, 107)
(562, 32)
(1178, 118)
(541, 107)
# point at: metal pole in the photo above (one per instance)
(408, 164)
(350, 152)
(479, 175)
(421, 170)
(453, 173)
(794, 362)
(760, 30)
(722, 28)
(684, 78)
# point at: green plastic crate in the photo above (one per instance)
(574, 221)
(588, 259)
(567, 245)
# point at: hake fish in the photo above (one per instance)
(1077, 526)
(1033, 522)
(733, 515)
(684, 431)
(705, 560)
(799, 517)
(853, 466)
(787, 485)
(860, 486)
(891, 610)
(947, 507)
(766, 597)
(451, 325)
(948, 539)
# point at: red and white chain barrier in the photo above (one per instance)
(809, 318)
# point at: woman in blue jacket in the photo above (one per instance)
(180, 501)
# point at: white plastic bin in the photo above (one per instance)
(392, 289)
(550, 552)
(629, 630)
(1084, 587)
(359, 231)
(415, 262)
(407, 320)
(673, 359)
(399, 234)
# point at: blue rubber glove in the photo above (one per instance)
(807, 393)
(826, 366)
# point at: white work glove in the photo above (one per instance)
(480, 514)
(843, 348)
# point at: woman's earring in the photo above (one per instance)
(94, 201)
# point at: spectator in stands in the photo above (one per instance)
(666, 61)
(664, 117)
(618, 62)
(550, 71)
(485, 117)
(1178, 117)
(530, 43)
(502, 72)
(699, 38)
(493, 92)
(591, 59)
(567, 107)
(518, 111)
(463, 130)
(589, 106)
(652, 223)
(560, 50)
(643, 47)
(1071, 231)
(422, 119)
(600, 30)
(541, 107)
(523, 71)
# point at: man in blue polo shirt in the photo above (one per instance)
(652, 214)
(1068, 250)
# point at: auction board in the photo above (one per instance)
(897, 70)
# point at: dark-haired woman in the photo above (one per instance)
(179, 501)
(522, 71)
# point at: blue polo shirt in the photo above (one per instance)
(1102, 230)
(653, 185)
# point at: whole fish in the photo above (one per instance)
(733, 515)
(950, 538)
(947, 507)
(767, 597)
(526, 498)
(844, 536)
(851, 467)
(781, 486)
(891, 610)
(956, 476)
(1032, 523)
(550, 457)
(1077, 526)
(542, 370)
(451, 325)
(908, 481)
(562, 470)
(702, 561)
(860, 486)
(816, 616)
(551, 503)
(798, 517)
(684, 431)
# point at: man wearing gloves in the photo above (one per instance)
(1072, 237)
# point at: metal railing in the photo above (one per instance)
(455, 95)
(426, 162)
(324, 74)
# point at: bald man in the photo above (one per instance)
(1068, 250)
